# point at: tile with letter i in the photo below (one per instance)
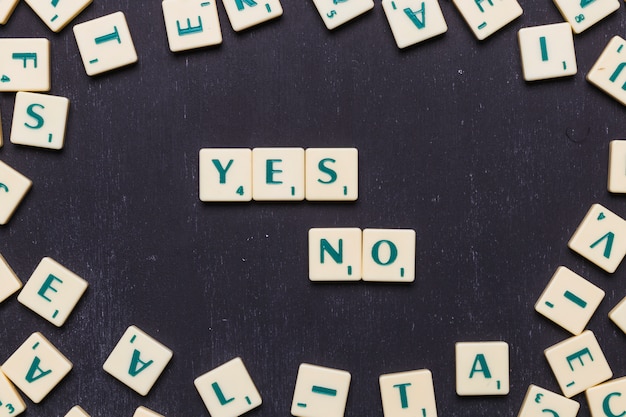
(145, 412)
(228, 390)
(39, 120)
(608, 399)
(569, 300)
(24, 64)
(36, 367)
(482, 368)
(609, 71)
(320, 392)
(578, 363)
(6, 10)
(56, 14)
(278, 174)
(408, 394)
(335, 13)
(388, 255)
(332, 174)
(11, 403)
(601, 238)
(547, 51)
(539, 401)
(77, 411)
(335, 254)
(191, 24)
(9, 282)
(485, 17)
(582, 14)
(618, 315)
(137, 360)
(13, 188)
(244, 14)
(105, 43)
(225, 174)
(414, 21)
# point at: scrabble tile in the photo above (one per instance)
(578, 363)
(77, 411)
(608, 399)
(52, 291)
(618, 315)
(1, 142)
(9, 282)
(24, 64)
(539, 401)
(335, 254)
(105, 43)
(244, 14)
(332, 174)
(137, 360)
(228, 390)
(569, 300)
(11, 403)
(13, 188)
(389, 255)
(482, 368)
(278, 174)
(601, 238)
(335, 13)
(547, 51)
(320, 392)
(608, 73)
(6, 10)
(191, 24)
(145, 412)
(582, 14)
(485, 17)
(617, 166)
(36, 367)
(56, 14)
(39, 120)
(408, 21)
(225, 174)
(408, 394)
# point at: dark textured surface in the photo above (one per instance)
(493, 173)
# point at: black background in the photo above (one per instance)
(492, 172)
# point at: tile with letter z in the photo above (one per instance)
(9, 282)
(13, 189)
(609, 71)
(244, 14)
(335, 13)
(320, 392)
(414, 21)
(24, 64)
(56, 14)
(39, 120)
(408, 394)
(191, 24)
(485, 17)
(539, 402)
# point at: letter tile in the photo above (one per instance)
(11, 403)
(145, 412)
(608, 73)
(618, 315)
(244, 14)
(320, 392)
(582, 14)
(335, 254)
(278, 174)
(482, 368)
(332, 174)
(225, 174)
(389, 255)
(335, 13)
(547, 51)
(39, 120)
(1, 141)
(617, 166)
(6, 10)
(9, 282)
(13, 189)
(539, 402)
(414, 21)
(77, 411)
(608, 399)
(58, 13)
(191, 24)
(24, 64)
(408, 394)
(485, 17)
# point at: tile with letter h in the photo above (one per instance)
(408, 21)
(9, 282)
(582, 14)
(39, 120)
(617, 165)
(335, 13)
(278, 174)
(618, 315)
(228, 390)
(539, 401)
(408, 394)
(77, 411)
(225, 174)
(24, 64)
(191, 24)
(56, 14)
(547, 51)
(11, 403)
(608, 399)
(13, 189)
(320, 392)
(244, 14)
(485, 17)
(145, 412)
(6, 10)
(609, 71)
(332, 174)
(482, 368)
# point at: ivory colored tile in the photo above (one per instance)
(105, 43)
(335, 13)
(77, 411)
(578, 363)
(24, 64)
(39, 120)
(547, 51)
(601, 238)
(228, 390)
(332, 174)
(278, 174)
(6, 10)
(191, 24)
(56, 14)
(608, 72)
(407, 19)
(335, 254)
(11, 403)
(582, 14)
(36, 367)
(320, 392)
(482, 368)
(244, 14)
(52, 291)
(9, 282)
(225, 174)
(485, 17)
(389, 255)
(618, 315)
(145, 412)
(539, 401)
(137, 360)
(617, 166)
(13, 188)
(608, 399)
(569, 300)
(408, 394)
(1, 142)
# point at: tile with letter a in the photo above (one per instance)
(408, 394)
(24, 64)
(388, 255)
(617, 166)
(608, 399)
(547, 51)
(335, 13)
(191, 24)
(244, 14)
(332, 174)
(601, 238)
(485, 17)
(618, 315)
(9, 282)
(582, 14)
(541, 402)
(36, 367)
(13, 188)
(482, 368)
(609, 71)
(39, 120)
(145, 412)
(320, 392)
(414, 21)
(278, 174)
(225, 174)
(6, 10)
(58, 13)
(11, 403)
(228, 390)
(335, 254)
(105, 43)
(77, 411)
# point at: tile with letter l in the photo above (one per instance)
(105, 43)
(609, 71)
(601, 238)
(39, 120)
(607, 399)
(13, 188)
(389, 255)
(77, 411)
(138, 360)
(9, 282)
(52, 291)
(617, 165)
(225, 174)
(320, 392)
(547, 51)
(36, 367)
(618, 315)
(539, 401)
(278, 174)
(335, 254)
(24, 64)
(11, 403)
(228, 390)
(578, 363)
(191, 24)
(244, 14)
(485, 17)
(56, 14)
(482, 368)
(335, 13)
(414, 21)
(145, 412)
(408, 394)
(6, 10)
(332, 174)
(582, 14)
(569, 300)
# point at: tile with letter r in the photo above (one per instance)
(578, 363)
(547, 51)
(485, 17)
(388, 255)
(191, 24)
(332, 174)
(11, 403)
(225, 174)
(138, 360)
(569, 300)
(618, 315)
(39, 120)
(105, 43)
(582, 14)
(24, 64)
(601, 238)
(145, 412)
(36, 367)
(228, 390)
(244, 14)
(607, 399)
(56, 14)
(539, 401)
(6, 10)
(335, 254)
(13, 189)
(414, 21)
(482, 368)
(335, 13)
(320, 392)
(9, 282)
(617, 165)
(77, 411)
(408, 394)
(609, 71)
(278, 174)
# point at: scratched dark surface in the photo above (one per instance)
(492, 172)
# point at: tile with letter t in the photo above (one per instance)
(409, 23)
(335, 254)
(608, 399)
(36, 367)
(145, 412)
(618, 315)
(11, 403)
(225, 174)
(335, 13)
(9, 282)
(408, 394)
(24, 64)
(485, 17)
(547, 51)
(278, 174)
(582, 14)
(56, 14)
(244, 14)
(191, 24)
(320, 392)
(539, 401)
(77, 411)
(105, 43)
(332, 174)
(137, 360)
(601, 238)
(13, 189)
(39, 120)
(389, 255)
(6, 10)
(228, 390)
(617, 165)
(609, 71)
(482, 368)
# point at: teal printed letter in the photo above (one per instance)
(421, 24)
(404, 401)
(137, 365)
(328, 171)
(47, 285)
(606, 407)
(480, 360)
(222, 171)
(326, 247)
(31, 112)
(35, 372)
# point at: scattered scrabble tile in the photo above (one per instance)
(9, 282)
(137, 360)
(578, 363)
(6, 10)
(145, 412)
(225, 174)
(617, 166)
(244, 14)
(56, 14)
(408, 394)
(228, 390)
(582, 14)
(389, 255)
(105, 43)
(569, 300)
(539, 401)
(618, 315)
(36, 367)
(547, 51)
(191, 24)
(77, 411)
(607, 400)
(13, 188)
(482, 368)
(335, 254)
(320, 392)
(485, 17)
(278, 174)
(608, 73)
(601, 238)
(332, 174)
(407, 19)
(39, 120)
(335, 13)
(1, 142)
(11, 403)
(24, 64)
